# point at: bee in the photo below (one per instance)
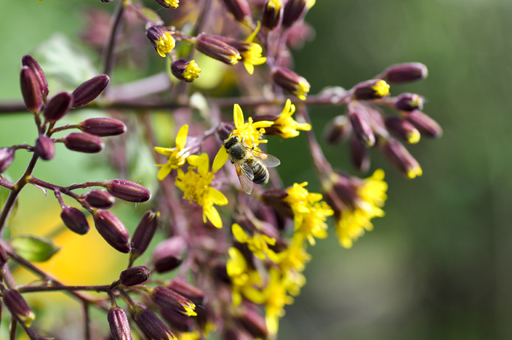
(251, 165)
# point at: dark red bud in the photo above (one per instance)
(167, 254)
(371, 89)
(292, 12)
(177, 321)
(254, 323)
(338, 130)
(83, 142)
(215, 48)
(6, 158)
(128, 191)
(112, 230)
(152, 326)
(89, 90)
(362, 128)
(103, 127)
(404, 73)
(271, 15)
(75, 220)
(169, 299)
(402, 129)
(30, 62)
(224, 131)
(58, 106)
(425, 125)
(144, 233)
(99, 199)
(18, 306)
(134, 276)
(192, 293)
(401, 158)
(291, 81)
(119, 324)
(359, 155)
(32, 94)
(239, 8)
(409, 102)
(45, 148)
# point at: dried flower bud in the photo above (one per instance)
(338, 130)
(160, 39)
(128, 191)
(83, 142)
(409, 102)
(89, 90)
(18, 306)
(134, 276)
(3, 257)
(224, 131)
(119, 324)
(168, 3)
(401, 158)
(402, 129)
(254, 323)
(167, 254)
(6, 158)
(32, 94)
(169, 299)
(58, 106)
(177, 321)
(30, 62)
(291, 82)
(272, 13)
(103, 127)
(359, 155)
(185, 70)
(274, 198)
(192, 293)
(152, 326)
(75, 220)
(362, 128)
(144, 233)
(99, 199)
(292, 12)
(217, 49)
(370, 89)
(45, 148)
(240, 10)
(426, 125)
(404, 73)
(112, 230)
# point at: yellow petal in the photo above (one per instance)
(238, 116)
(164, 151)
(217, 197)
(181, 137)
(213, 215)
(239, 233)
(201, 162)
(249, 67)
(253, 34)
(220, 159)
(164, 171)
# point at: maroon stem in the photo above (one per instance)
(108, 52)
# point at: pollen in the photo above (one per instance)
(192, 71)
(381, 88)
(164, 44)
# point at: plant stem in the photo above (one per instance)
(108, 54)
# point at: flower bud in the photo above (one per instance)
(192, 293)
(240, 10)
(83, 142)
(426, 125)
(6, 158)
(144, 233)
(75, 220)
(370, 89)
(233, 333)
(103, 127)
(362, 128)
(338, 130)
(45, 148)
(99, 199)
(224, 131)
(402, 129)
(128, 191)
(359, 155)
(32, 94)
(185, 70)
(161, 40)
(3, 257)
(217, 49)
(30, 62)
(292, 12)
(272, 13)
(57, 106)
(291, 82)
(177, 321)
(134, 276)
(409, 102)
(18, 306)
(168, 3)
(112, 230)
(89, 90)
(167, 254)
(404, 73)
(152, 326)
(169, 299)
(401, 158)
(119, 324)
(275, 198)
(254, 323)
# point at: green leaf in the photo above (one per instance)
(33, 248)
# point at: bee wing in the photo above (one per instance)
(267, 160)
(245, 176)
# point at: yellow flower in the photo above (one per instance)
(172, 3)
(195, 335)
(292, 262)
(192, 71)
(251, 53)
(242, 278)
(258, 244)
(381, 88)
(196, 187)
(285, 126)
(164, 44)
(177, 155)
(355, 220)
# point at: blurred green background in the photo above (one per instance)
(438, 265)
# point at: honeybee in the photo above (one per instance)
(251, 165)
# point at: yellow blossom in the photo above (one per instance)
(242, 277)
(251, 55)
(381, 88)
(192, 71)
(195, 335)
(258, 244)
(286, 126)
(177, 155)
(172, 3)
(196, 187)
(164, 44)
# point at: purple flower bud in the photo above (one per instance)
(370, 89)
(274, 198)
(144, 233)
(185, 70)
(75, 220)
(177, 321)
(83, 142)
(58, 106)
(89, 90)
(292, 12)
(254, 323)
(119, 324)
(18, 306)
(112, 230)
(402, 129)
(99, 199)
(103, 127)
(30, 90)
(134, 276)
(192, 293)
(409, 102)
(426, 125)
(240, 9)
(45, 148)
(30, 62)
(6, 158)
(291, 81)
(215, 48)
(152, 326)
(338, 130)
(169, 299)
(128, 191)
(272, 13)
(404, 73)
(160, 39)
(359, 155)
(167, 254)
(168, 3)
(362, 128)
(224, 131)
(401, 158)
